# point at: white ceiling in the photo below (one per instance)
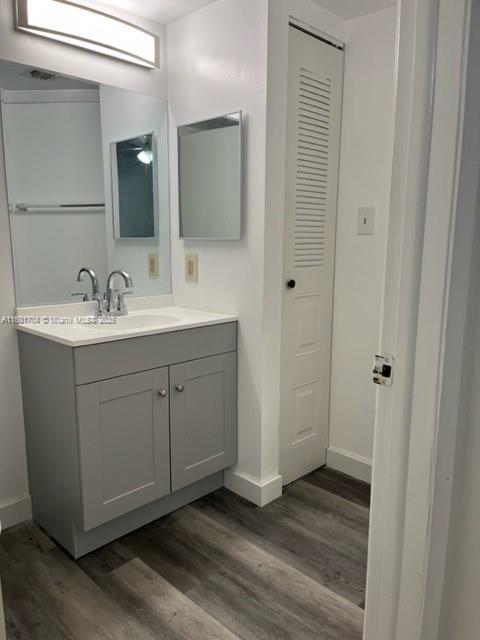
(165, 11)
(162, 11)
(348, 9)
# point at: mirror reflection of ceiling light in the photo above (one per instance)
(146, 155)
(87, 28)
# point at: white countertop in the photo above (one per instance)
(81, 330)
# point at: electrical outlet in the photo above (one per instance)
(153, 270)
(366, 221)
(191, 267)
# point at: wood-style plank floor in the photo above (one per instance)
(220, 568)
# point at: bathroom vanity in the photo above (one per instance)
(126, 422)
(131, 418)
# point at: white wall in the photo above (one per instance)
(14, 496)
(38, 52)
(53, 154)
(125, 114)
(364, 181)
(217, 65)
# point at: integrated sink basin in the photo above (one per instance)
(134, 321)
(131, 321)
(81, 329)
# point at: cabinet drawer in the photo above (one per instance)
(110, 359)
(124, 442)
(203, 418)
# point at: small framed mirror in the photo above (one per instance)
(134, 187)
(210, 178)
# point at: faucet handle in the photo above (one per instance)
(101, 304)
(85, 296)
(121, 306)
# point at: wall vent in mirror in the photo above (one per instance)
(210, 178)
(38, 74)
(87, 28)
(134, 187)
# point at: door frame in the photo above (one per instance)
(424, 304)
(2, 615)
(430, 252)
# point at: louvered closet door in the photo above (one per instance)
(313, 135)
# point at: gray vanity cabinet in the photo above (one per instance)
(124, 444)
(120, 433)
(202, 417)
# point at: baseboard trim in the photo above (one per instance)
(350, 464)
(15, 512)
(260, 493)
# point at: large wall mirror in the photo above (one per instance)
(87, 182)
(210, 178)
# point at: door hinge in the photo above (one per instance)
(383, 370)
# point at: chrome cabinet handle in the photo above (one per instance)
(162, 393)
(180, 388)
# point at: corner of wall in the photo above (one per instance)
(15, 513)
(259, 493)
(349, 463)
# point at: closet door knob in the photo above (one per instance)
(162, 393)
(291, 284)
(180, 388)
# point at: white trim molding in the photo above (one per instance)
(39, 96)
(15, 512)
(350, 463)
(260, 493)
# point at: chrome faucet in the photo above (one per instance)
(115, 304)
(95, 289)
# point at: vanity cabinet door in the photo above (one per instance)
(203, 418)
(123, 428)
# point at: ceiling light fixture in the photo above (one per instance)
(146, 154)
(87, 28)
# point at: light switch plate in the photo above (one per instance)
(366, 221)
(191, 267)
(153, 270)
